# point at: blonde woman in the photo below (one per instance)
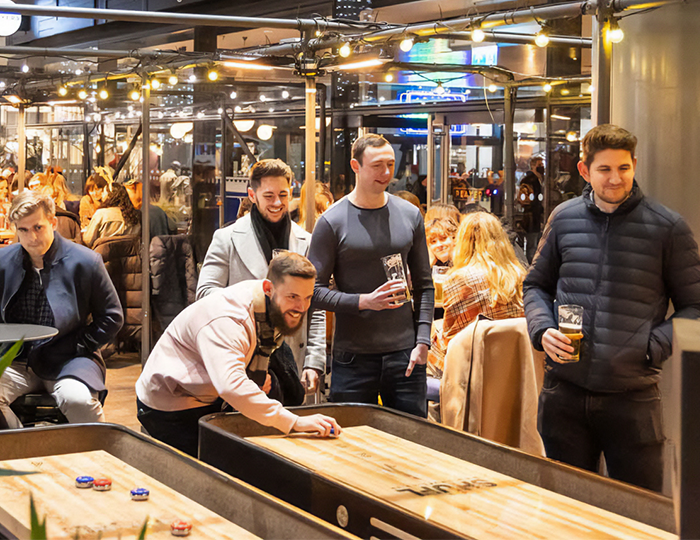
(486, 277)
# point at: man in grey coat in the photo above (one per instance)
(243, 251)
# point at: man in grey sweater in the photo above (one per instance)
(380, 343)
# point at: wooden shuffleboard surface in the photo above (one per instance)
(465, 498)
(90, 514)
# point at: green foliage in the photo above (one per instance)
(142, 534)
(10, 355)
(38, 528)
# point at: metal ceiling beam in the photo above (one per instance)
(57, 52)
(188, 19)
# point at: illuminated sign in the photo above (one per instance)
(9, 22)
(485, 56)
(418, 96)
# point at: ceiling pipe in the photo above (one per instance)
(187, 19)
(57, 52)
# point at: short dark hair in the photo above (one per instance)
(607, 137)
(361, 144)
(292, 264)
(268, 167)
(95, 180)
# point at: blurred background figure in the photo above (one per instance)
(95, 193)
(440, 234)
(486, 278)
(413, 199)
(324, 198)
(440, 210)
(117, 216)
(62, 196)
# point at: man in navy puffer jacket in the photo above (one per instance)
(622, 257)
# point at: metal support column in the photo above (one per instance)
(222, 166)
(445, 149)
(103, 145)
(430, 163)
(86, 146)
(310, 158)
(509, 94)
(322, 132)
(602, 68)
(145, 220)
(549, 153)
(22, 146)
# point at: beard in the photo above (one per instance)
(279, 322)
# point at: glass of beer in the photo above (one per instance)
(393, 267)
(571, 325)
(439, 277)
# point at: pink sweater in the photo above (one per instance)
(203, 354)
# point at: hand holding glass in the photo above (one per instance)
(571, 325)
(393, 267)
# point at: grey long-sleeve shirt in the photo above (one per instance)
(348, 243)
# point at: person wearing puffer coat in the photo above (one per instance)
(622, 257)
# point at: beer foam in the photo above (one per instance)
(569, 328)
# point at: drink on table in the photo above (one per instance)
(571, 325)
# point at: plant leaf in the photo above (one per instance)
(10, 355)
(38, 528)
(142, 534)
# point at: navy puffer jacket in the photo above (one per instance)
(622, 268)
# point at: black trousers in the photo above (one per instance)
(179, 429)
(577, 425)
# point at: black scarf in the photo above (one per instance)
(270, 235)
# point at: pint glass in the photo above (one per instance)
(393, 267)
(571, 325)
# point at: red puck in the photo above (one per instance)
(180, 528)
(102, 484)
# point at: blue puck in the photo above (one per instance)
(139, 494)
(332, 430)
(84, 481)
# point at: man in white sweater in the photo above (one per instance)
(212, 349)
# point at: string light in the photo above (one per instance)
(62, 91)
(406, 44)
(547, 87)
(155, 84)
(492, 88)
(541, 39)
(615, 33)
(478, 35)
(233, 94)
(285, 94)
(388, 77)
(172, 80)
(104, 94)
(25, 68)
(82, 94)
(345, 50)
(134, 95)
(192, 78)
(440, 89)
(212, 75)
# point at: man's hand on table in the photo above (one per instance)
(419, 356)
(319, 424)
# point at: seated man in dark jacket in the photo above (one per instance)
(50, 281)
(622, 257)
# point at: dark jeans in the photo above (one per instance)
(577, 425)
(360, 378)
(179, 429)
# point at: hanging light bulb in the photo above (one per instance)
(440, 90)
(134, 95)
(571, 136)
(155, 84)
(406, 44)
(263, 98)
(615, 33)
(541, 39)
(478, 35)
(62, 91)
(172, 80)
(547, 87)
(388, 77)
(285, 94)
(192, 78)
(212, 75)
(82, 94)
(345, 50)
(104, 94)
(492, 88)
(25, 68)
(233, 94)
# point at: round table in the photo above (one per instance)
(28, 332)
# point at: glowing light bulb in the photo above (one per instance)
(172, 80)
(62, 91)
(233, 94)
(192, 78)
(285, 94)
(345, 50)
(440, 89)
(134, 95)
(571, 136)
(103, 94)
(263, 98)
(547, 87)
(25, 68)
(155, 84)
(541, 39)
(615, 33)
(212, 75)
(406, 44)
(478, 35)
(388, 77)
(492, 88)
(82, 94)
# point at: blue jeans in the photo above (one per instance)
(360, 378)
(577, 425)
